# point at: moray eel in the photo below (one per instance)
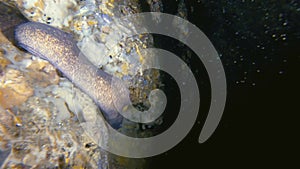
(60, 49)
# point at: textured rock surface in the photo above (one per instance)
(40, 124)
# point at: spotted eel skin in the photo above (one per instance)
(60, 49)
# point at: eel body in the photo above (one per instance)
(60, 49)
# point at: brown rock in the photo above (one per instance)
(14, 89)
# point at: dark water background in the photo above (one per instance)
(259, 46)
